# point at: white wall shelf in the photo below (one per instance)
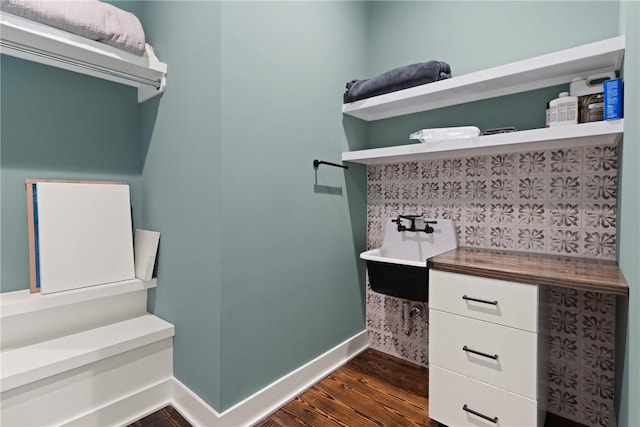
(40, 43)
(586, 134)
(534, 73)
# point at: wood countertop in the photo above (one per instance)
(538, 269)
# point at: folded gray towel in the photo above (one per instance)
(397, 79)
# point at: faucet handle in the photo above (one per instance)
(398, 221)
(427, 228)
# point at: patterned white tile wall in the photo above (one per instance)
(559, 201)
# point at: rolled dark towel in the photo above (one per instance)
(397, 79)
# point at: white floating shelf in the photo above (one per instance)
(529, 74)
(581, 135)
(40, 43)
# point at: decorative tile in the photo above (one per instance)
(391, 172)
(534, 163)
(600, 187)
(431, 211)
(564, 297)
(374, 191)
(452, 168)
(565, 160)
(409, 170)
(503, 189)
(531, 188)
(596, 413)
(503, 165)
(374, 172)
(564, 187)
(601, 159)
(452, 211)
(475, 212)
(564, 215)
(598, 385)
(565, 376)
(475, 189)
(597, 328)
(409, 190)
(531, 239)
(475, 235)
(391, 191)
(452, 190)
(563, 349)
(599, 244)
(596, 302)
(599, 357)
(531, 214)
(430, 169)
(564, 242)
(501, 237)
(430, 190)
(501, 213)
(564, 322)
(563, 402)
(599, 215)
(410, 208)
(475, 167)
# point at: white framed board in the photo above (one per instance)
(80, 234)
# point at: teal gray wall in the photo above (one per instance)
(59, 125)
(257, 264)
(291, 284)
(629, 219)
(475, 35)
(181, 150)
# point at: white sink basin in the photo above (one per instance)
(399, 267)
(413, 247)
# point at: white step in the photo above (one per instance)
(26, 319)
(70, 378)
(35, 362)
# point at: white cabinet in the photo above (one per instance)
(483, 351)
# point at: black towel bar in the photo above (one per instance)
(317, 163)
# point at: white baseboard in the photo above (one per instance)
(128, 409)
(246, 413)
(273, 396)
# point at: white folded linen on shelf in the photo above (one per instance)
(91, 19)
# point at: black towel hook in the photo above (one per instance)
(317, 163)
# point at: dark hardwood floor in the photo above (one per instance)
(373, 389)
(165, 417)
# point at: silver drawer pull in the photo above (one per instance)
(479, 353)
(478, 414)
(483, 301)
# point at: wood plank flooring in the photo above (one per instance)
(373, 389)
(165, 417)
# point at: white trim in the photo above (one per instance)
(273, 396)
(171, 391)
(128, 409)
(22, 302)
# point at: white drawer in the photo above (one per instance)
(450, 392)
(514, 368)
(506, 303)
